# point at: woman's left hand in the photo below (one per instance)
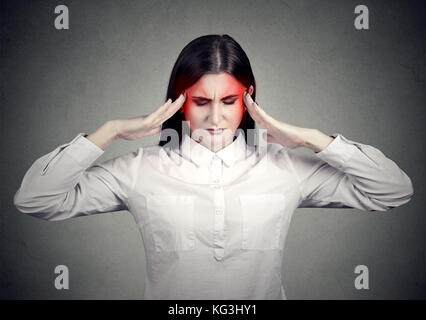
(276, 131)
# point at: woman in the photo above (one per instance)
(213, 208)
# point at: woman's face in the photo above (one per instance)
(214, 102)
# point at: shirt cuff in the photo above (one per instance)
(338, 152)
(83, 151)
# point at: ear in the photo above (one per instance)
(250, 90)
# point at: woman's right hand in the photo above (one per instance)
(138, 127)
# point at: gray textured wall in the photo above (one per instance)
(313, 69)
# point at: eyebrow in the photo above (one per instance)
(224, 98)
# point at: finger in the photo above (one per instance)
(169, 109)
(258, 114)
(179, 101)
(249, 102)
(160, 110)
(175, 106)
(252, 107)
(253, 104)
(167, 103)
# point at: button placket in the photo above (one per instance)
(218, 210)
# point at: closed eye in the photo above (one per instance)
(226, 102)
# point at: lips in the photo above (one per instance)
(216, 131)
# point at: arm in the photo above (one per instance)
(342, 173)
(62, 185)
(105, 134)
(345, 174)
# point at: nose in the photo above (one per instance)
(215, 114)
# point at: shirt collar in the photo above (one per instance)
(201, 155)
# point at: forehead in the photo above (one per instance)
(221, 83)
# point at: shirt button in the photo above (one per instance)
(218, 211)
(218, 258)
(216, 186)
(216, 180)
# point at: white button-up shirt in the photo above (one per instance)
(213, 225)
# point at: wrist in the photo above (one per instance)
(114, 128)
(316, 140)
(104, 135)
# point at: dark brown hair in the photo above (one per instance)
(206, 55)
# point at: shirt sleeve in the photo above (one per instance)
(348, 174)
(62, 184)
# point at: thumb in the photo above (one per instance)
(154, 131)
(269, 138)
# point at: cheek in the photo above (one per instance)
(192, 113)
(238, 112)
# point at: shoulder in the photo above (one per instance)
(293, 159)
(141, 153)
(278, 155)
(128, 164)
(124, 161)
